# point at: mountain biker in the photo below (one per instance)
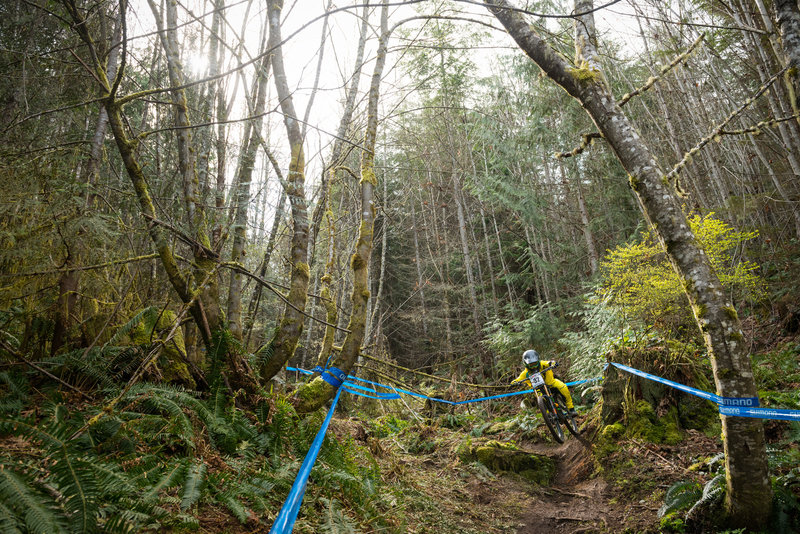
(534, 364)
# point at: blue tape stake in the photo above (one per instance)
(284, 523)
(334, 376)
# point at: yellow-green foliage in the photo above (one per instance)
(639, 278)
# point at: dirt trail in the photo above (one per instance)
(578, 503)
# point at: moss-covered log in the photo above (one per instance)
(501, 457)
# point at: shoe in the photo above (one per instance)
(572, 412)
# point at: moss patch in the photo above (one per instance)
(505, 457)
(645, 424)
(310, 396)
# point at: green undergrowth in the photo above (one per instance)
(168, 460)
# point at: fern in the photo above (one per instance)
(13, 392)
(713, 489)
(79, 487)
(193, 485)
(335, 521)
(236, 508)
(8, 520)
(680, 496)
(36, 510)
(170, 478)
(148, 315)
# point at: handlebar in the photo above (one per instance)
(553, 365)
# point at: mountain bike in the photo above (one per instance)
(553, 406)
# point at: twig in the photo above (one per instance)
(716, 132)
(9, 349)
(85, 268)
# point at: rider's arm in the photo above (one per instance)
(522, 376)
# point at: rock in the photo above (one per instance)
(502, 457)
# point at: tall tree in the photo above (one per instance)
(315, 393)
(749, 492)
(284, 341)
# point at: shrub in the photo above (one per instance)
(639, 278)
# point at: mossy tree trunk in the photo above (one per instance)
(312, 395)
(789, 23)
(287, 334)
(748, 489)
(197, 289)
(244, 179)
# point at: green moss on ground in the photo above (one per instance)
(505, 457)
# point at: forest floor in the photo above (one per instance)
(623, 494)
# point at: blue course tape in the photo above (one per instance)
(686, 389)
(286, 517)
(761, 413)
(377, 396)
(729, 406)
(284, 523)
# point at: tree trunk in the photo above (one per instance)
(749, 493)
(314, 394)
(489, 262)
(465, 252)
(421, 282)
(376, 302)
(284, 341)
(789, 22)
(243, 181)
(588, 238)
(69, 283)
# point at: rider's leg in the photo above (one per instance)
(562, 387)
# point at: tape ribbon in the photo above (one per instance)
(284, 523)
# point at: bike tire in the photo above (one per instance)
(564, 416)
(550, 418)
(571, 425)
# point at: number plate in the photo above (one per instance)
(536, 380)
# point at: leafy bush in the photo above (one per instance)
(639, 278)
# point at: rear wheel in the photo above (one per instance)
(550, 417)
(563, 414)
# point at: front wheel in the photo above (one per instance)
(550, 417)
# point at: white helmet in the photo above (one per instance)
(531, 359)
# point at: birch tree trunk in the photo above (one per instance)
(748, 493)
